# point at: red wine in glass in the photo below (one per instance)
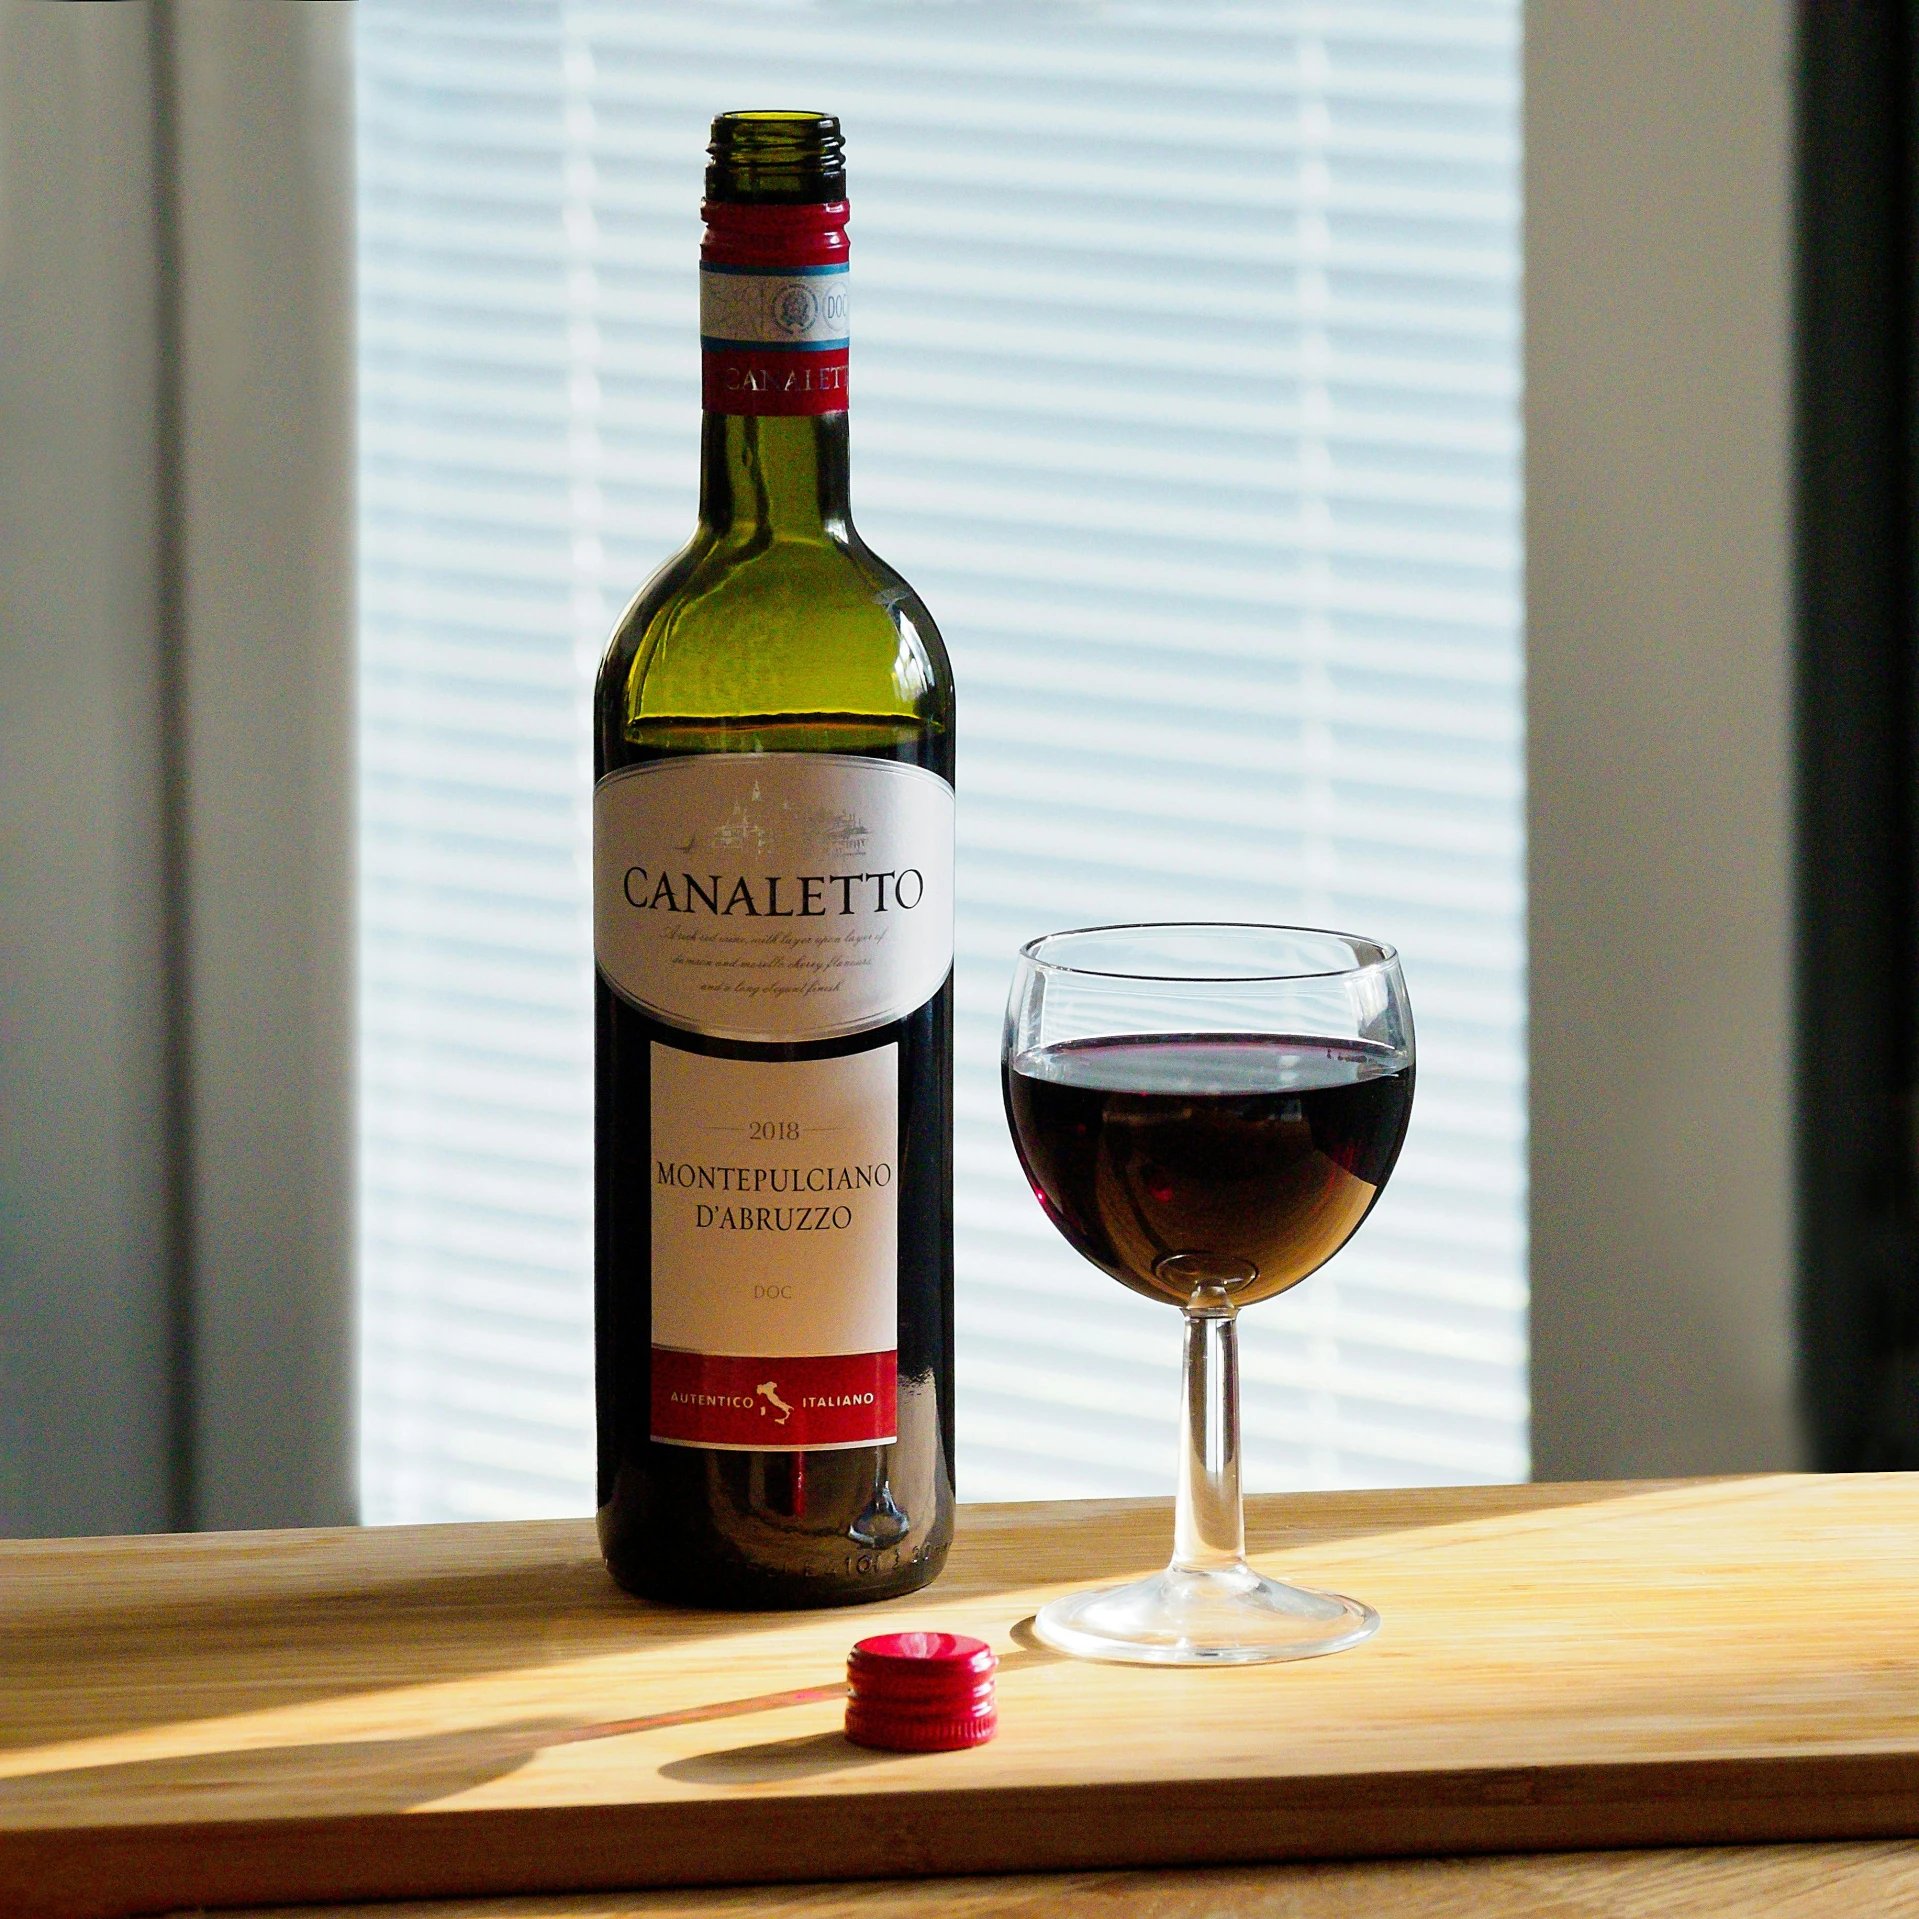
(1252, 1155)
(1207, 1111)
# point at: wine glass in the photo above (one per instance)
(1207, 1112)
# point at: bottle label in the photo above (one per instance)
(775, 1250)
(773, 338)
(773, 897)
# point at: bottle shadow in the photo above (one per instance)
(392, 1775)
(370, 1776)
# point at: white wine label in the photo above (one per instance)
(773, 306)
(775, 1250)
(773, 897)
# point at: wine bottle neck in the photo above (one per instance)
(773, 476)
(773, 338)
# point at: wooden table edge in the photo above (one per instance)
(115, 1872)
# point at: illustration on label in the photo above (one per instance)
(773, 896)
(820, 1405)
(775, 1250)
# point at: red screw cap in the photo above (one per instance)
(921, 1692)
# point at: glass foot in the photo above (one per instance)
(1231, 1617)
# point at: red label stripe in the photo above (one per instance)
(763, 380)
(771, 380)
(774, 1405)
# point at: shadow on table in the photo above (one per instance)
(356, 1776)
(392, 1775)
(307, 1617)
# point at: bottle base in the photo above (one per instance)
(747, 1589)
(783, 1532)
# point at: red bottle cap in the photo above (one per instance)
(921, 1692)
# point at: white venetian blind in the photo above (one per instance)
(1185, 388)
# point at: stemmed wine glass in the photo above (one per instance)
(1207, 1112)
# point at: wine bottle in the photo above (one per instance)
(773, 931)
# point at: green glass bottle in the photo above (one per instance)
(773, 854)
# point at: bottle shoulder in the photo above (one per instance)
(773, 626)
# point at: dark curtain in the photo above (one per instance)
(1858, 1160)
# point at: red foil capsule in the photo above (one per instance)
(773, 312)
(921, 1692)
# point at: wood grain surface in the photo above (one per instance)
(251, 1718)
(1717, 1882)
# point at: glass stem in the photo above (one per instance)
(1209, 1531)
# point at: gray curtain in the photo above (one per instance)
(176, 727)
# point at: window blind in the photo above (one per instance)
(1185, 389)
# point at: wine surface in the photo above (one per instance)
(1174, 1159)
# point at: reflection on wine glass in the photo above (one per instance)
(1207, 1112)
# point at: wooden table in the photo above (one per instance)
(1720, 1882)
(241, 1718)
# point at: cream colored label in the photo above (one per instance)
(775, 1203)
(773, 306)
(774, 896)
